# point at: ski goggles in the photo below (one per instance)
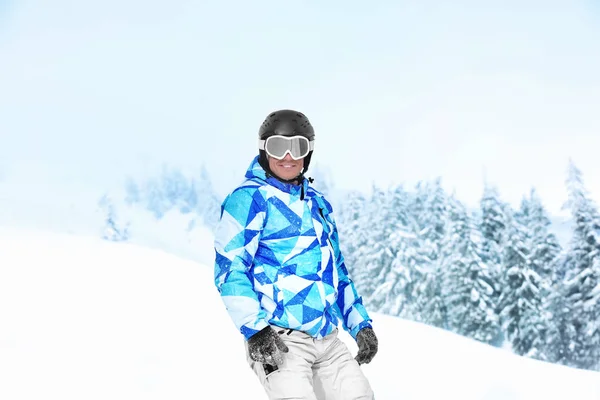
(278, 146)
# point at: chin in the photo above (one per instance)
(288, 174)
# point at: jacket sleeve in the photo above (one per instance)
(237, 236)
(349, 302)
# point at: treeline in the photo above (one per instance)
(170, 191)
(495, 274)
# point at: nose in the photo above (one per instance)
(288, 157)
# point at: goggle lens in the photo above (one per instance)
(279, 146)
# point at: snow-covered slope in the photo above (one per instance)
(82, 318)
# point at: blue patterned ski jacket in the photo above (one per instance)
(278, 260)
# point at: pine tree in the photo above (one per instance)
(561, 333)
(154, 198)
(387, 242)
(113, 230)
(430, 306)
(582, 280)
(432, 219)
(374, 254)
(493, 226)
(544, 244)
(467, 287)
(352, 227)
(432, 226)
(132, 192)
(520, 302)
(208, 205)
(544, 249)
(174, 188)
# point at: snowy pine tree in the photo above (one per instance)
(113, 229)
(430, 306)
(176, 191)
(544, 251)
(493, 226)
(352, 226)
(581, 286)
(132, 192)
(432, 225)
(467, 286)
(520, 304)
(432, 218)
(561, 333)
(387, 241)
(543, 244)
(207, 204)
(375, 253)
(154, 198)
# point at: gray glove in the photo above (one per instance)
(367, 345)
(267, 347)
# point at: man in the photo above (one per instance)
(282, 277)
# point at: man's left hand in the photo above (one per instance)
(367, 345)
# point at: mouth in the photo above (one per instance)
(287, 165)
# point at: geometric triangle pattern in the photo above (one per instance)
(278, 260)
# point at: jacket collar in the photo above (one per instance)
(256, 171)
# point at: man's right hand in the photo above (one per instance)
(267, 347)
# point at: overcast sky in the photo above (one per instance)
(398, 91)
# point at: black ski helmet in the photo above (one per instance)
(286, 123)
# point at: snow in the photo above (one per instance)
(82, 318)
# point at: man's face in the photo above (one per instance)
(287, 168)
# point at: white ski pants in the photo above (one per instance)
(314, 369)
